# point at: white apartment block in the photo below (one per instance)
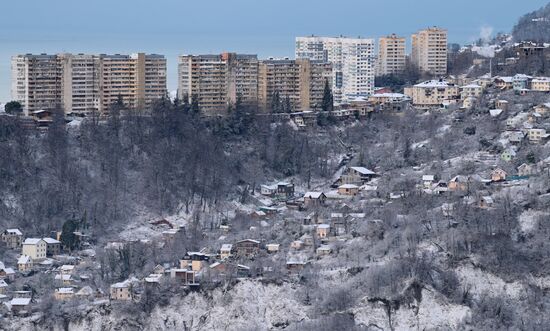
(391, 55)
(36, 81)
(429, 50)
(352, 59)
(84, 84)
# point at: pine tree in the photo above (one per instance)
(287, 105)
(328, 101)
(195, 109)
(275, 103)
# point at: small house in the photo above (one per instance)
(508, 155)
(295, 266)
(19, 305)
(272, 248)
(3, 286)
(13, 238)
(24, 263)
(64, 293)
(323, 230)
(428, 181)
(187, 277)
(297, 244)
(485, 202)
(498, 175)
(348, 189)
(526, 170)
(225, 251)
(194, 260)
(53, 247)
(458, 183)
(357, 175)
(123, 291)
(314, 199)
(246, 247)
(323, 250)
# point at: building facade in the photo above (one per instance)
(352, 59)
(300, 83)
(36, 82)
(218, 80)
(429, 50)
(433, 93)
(83, 84)
(391, 55)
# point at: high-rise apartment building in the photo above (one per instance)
(429, 50)
(352, 59)
(300, 81)
(391, 55)
(80, 83)
(36, 81)
(218, 80)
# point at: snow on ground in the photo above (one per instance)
(433, 313)
(528, 220)
(482, 282)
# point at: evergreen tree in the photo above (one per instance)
(287, 105)
(195, 109)
(328, 101)
(13, 107)
(276, 103)
(68, 238)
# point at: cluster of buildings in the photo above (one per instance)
(84, 83)
(90, 83)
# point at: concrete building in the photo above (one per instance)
(12, 238)
(301, 82)
(218, 80)
(353, 63)
(433, 93)
(36, 82)
(429, 50)
(391, 55)
(139, 79)
(84, 84)
(541, 84)
(80, 83)
(35, 248)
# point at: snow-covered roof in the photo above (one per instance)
(434, 83)
(471, 86)
(14, 231)
(313, 195)
(541, 80)
(495, 112)
(226, 247)
(363, 170)
(125, 283)
(348, 186)
(3, 283)
(428, 177)
(24, 259)
(20, 301)
(32, 241)
(65, 290)
(51, 241)
(86, 290)
(323, 226)
(63, 277)
(67, 267)
(251, 240)
(506, 79)
(390, 95)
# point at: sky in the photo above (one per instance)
(263, 27)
